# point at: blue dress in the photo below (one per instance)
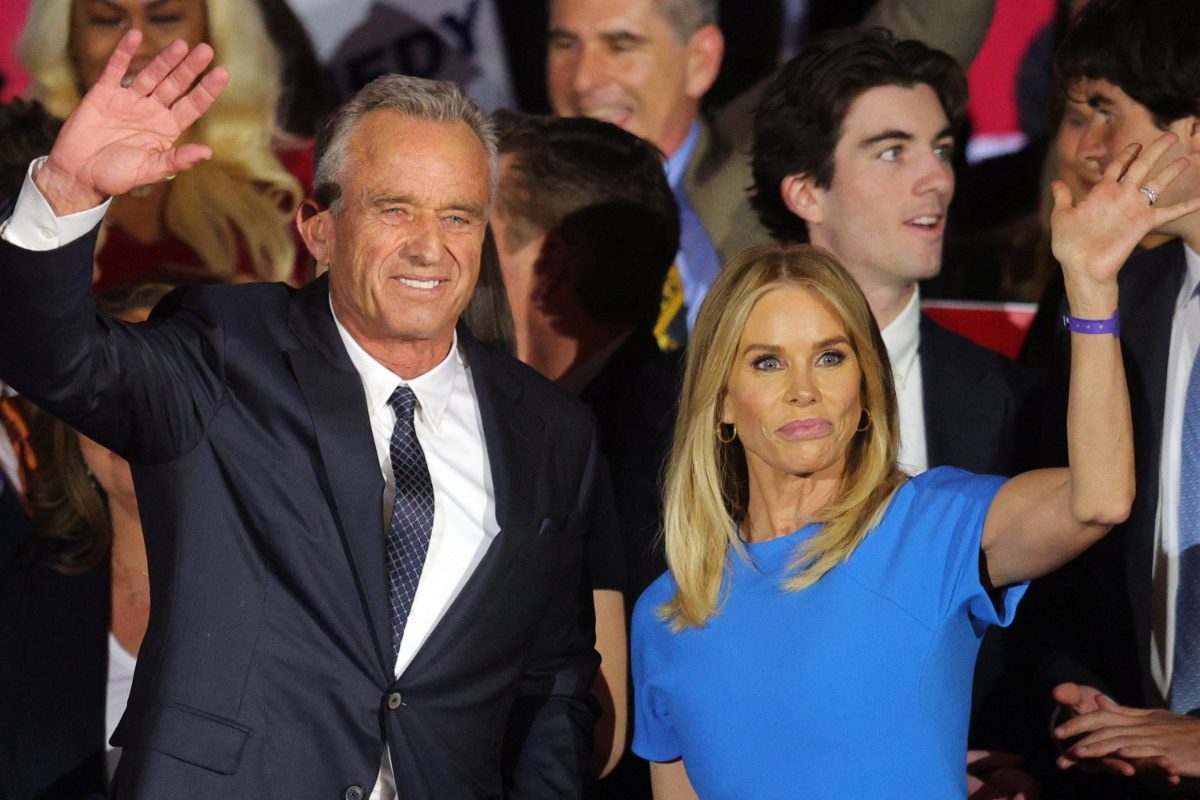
(856, 687)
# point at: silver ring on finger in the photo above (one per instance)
(1151, 195)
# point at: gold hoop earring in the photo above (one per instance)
(867, 427)
(732, 433)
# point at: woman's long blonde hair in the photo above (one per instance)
(241, 198)
(707, 488)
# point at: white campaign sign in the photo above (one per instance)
(456, 40)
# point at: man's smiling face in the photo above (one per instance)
(404, 247)
(621, 61)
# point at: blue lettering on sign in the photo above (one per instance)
(463, 26)
(420, 51)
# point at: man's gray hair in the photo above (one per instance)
(419, 98)
(687, 16)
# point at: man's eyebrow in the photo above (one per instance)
(887, 135)
(404, 199)
(1099, 100)
(623, 38)
(561, 34)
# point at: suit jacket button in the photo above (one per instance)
(354, 792)
(394, 700)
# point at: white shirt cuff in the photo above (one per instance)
(33, 225)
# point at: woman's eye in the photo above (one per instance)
(831, 358)
(766, 363)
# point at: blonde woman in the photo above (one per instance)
(231, 215)
(816, 633)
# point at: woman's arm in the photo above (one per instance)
(611, 685)
(1042, 519)
(669, 781)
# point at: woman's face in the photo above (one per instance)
(97, 26)
(793, 390)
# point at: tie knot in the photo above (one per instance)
(403, 402)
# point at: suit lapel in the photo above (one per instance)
(944, 380)
(354, 486)
(1148, 293)
(513, 436)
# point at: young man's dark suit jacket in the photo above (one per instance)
(975, 400)
(266, 671)
(1092, 619)
(976, 405)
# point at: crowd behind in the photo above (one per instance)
(936, 606)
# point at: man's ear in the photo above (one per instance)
(1188, 131)
(316, 229)
(551, 271)
(705, 49)
(803, 197)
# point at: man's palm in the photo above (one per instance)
(123, 133)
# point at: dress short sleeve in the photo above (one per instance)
(654, 737)
(960, 501)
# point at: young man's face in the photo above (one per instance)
(1116, 121)
(884, 213)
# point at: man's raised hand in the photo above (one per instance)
(123, 133)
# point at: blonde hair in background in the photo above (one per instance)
(707, 489)
(243, 196)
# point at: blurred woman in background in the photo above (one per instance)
(231, 215)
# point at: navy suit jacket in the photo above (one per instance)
(1100, 604)
(266, 670)
(975, 403)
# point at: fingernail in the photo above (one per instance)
(1059, 732)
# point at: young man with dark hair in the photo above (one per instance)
(1124, 621)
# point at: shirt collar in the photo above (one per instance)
(903, 335)
(1191, 276)
(433, 388)
(677, 162)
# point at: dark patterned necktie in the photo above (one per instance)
(407, 538)
(1185, 678)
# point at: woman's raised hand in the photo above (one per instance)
(1092, 239)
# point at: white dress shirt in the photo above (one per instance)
(121, 665)
(450, 430)
(1185, 341)
(448, 426)
(902, 338)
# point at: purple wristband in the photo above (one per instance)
(1077, 325)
